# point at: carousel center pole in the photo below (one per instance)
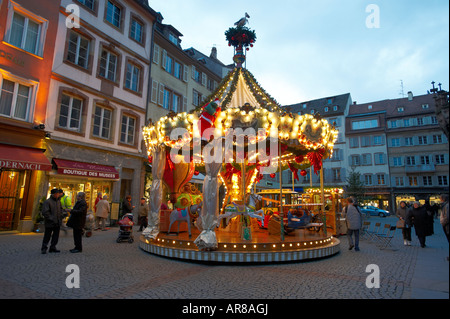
(281, 194)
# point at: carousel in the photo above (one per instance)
(239, 134)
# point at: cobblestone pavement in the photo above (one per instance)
(109, 270)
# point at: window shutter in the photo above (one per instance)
(184, 104)
(154, 92)
(156, 54)
(193, 72)
(164, 59)
(204, 79)
(185, 73)
(161, 94)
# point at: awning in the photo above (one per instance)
(17, 157)
(85, 169)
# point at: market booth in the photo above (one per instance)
(239, 134)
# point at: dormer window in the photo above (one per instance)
(400, 109)
(173, 39)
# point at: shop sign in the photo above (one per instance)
(86, 169)
(20, 165)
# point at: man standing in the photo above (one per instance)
(444, 215)
(354, 223)
(52, 213)
(143, 214)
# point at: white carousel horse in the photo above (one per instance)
(183, 215)
(249, 210)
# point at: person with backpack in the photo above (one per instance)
(353, 219)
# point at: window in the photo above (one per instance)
(108, 65)
(366, 159)
(381, 179)
(410, 160)
(380, 158)
(442, 180)
(132, 78)
(437, 139)
(355, 160)
(399, 181)
(406, 123)
(420, 121)
(366, 124)
(423, 140)
(427, 180)
(26, 33)
(336, 174)
(425, 160)
(378, 140)
(87, 3)
(335, 108)
(176, 103)
(15, 100)
(365, 141)
(409, 141)
(400, 109)
(367, 179)
(173, 39)
(169, 63)
(127, 129)
(137, 31)
(102, 122)
(166, 99)
(412, 180)
(337, 155)
(439, 159)
(177, 70)
(354, 142)
(392, 124)
(397, 161)
(78, 51)
(113, 14)
(326, 109)
(395, 142)
(434, 120)
(70, 113)
(424, 106)
(197, 98)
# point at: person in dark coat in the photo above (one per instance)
(402, 211)
(418, 217)
(77, 221)
(127, 208)
(52, 213)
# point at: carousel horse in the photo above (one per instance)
(234, 210)
(183, 215)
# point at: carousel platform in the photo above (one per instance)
(298, 245)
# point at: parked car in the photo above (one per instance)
(374, 211)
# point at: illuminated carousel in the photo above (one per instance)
(238, 135)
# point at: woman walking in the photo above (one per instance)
(417, 216)
(402, 211)
(77, 221)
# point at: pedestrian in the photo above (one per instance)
(401, 213)
(444, 214)
(77, 221)
(353, 219)
(143, 214)
(99, 198)
(417, 217)
(52, 213)
(127, 208)
(103, 210)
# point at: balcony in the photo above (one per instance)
(425, 168)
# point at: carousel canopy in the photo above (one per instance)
(243, 112)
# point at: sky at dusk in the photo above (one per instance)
(307, 50)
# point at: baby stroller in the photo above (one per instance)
(126, 229)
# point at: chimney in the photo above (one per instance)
(213, 54)
(410, 96)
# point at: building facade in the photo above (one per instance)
(417, 149)
(97, 100)
(27, 41)
(335, 169)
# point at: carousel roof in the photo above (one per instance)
(305, 139)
